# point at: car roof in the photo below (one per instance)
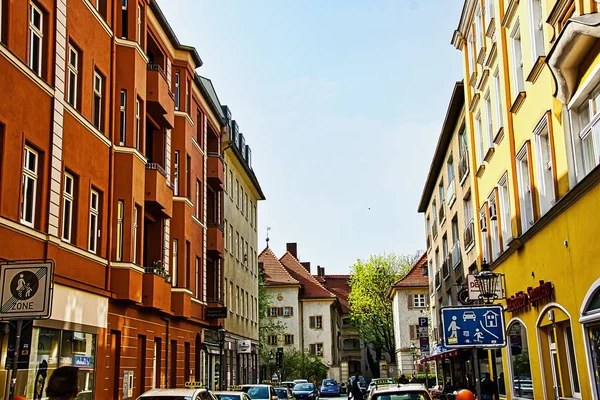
(171, 392)
(257, 385)
(229, 393)
(399, 388)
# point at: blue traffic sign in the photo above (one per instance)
(473, 326)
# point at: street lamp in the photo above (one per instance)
(487, 281)
(221, 331)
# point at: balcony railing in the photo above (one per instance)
(446, 267)
(455, 254)
(469, 234)
(159, 168)
(442, 212)
(159, 69)
(451, 193)
(463, 165)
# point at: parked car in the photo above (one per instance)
(409, 391)
(306, 391)
(284, 393)
(288, 384)
(329, 387)
(260, 392)
(296, 381)
(232, 395)
(378, 382)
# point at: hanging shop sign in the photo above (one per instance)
(536, 297)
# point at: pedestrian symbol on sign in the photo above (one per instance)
(24, 285)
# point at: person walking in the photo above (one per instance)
(356, 391)
(488, 388)
(62, 384)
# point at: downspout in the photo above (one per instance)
(166, 320)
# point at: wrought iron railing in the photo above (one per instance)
(157, 167)
(463, 165)
(469, 234)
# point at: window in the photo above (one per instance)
(197, 278)
(237, 193)
(319, 348)
(231, 184)
(176, 173)
(36, 38)
(231, 297)
(197, 203)
(188, 176)
(419, 300)
(318, 322)
(138, 124)
(94, 232)
(587, 143)
(120, 211)
(246, 204)
(124, 21)
(489, 11)
(471, 54)
(174, 262)
(199, 133)
(537, 29)
(273, 312)
(73, 80)
(97, 111)
(246, 309)
(68, 201)
(571, 361)
(480, 151)
(123, 118)
(441, 197)
(289, 339)
(187, 95)
(237, 245)
(288, 311)
(524, 184)
(242, 199)
(485, 246)
(479, 42)
(489, 126)
(517, 61)
(237, 300)
(498, 100)
(176, 91)
(505, 210)
(272, 340)
(545, 178)
(139, 24)
(230, 239)
(136, 216)
(494, 228)
(520, 369)
(29, 190)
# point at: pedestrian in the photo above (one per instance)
(356, 390)
(62, 384)
(488, 388)
(403, 379)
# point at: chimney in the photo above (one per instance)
(306, 265)
(321, 271)
(293, 249)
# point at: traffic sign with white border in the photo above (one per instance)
(26, 290)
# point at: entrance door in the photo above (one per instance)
(555, 366)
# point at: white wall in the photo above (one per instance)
(324, 335)
(404, 317)
(289, 298)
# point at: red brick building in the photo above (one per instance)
(111, 165)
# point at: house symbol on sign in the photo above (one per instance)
(491, 319)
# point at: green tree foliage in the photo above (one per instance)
(266, 326)
(302, 365)
(371, 307)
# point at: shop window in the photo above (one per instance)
(520, 369)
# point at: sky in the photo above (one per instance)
(342, 103)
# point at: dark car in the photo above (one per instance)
(305, 391)
(329, 387)
(284, 393)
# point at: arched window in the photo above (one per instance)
(592, 333)
(518, 354)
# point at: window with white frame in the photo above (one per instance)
(68, 201)
(237, 246)
(505, 220)
(480, 150)
(174, 262)
(537, 29)
(124, 22)
(123, 118)
(197, 278)
(230, 239)
(498, 99)
(136, 216)
(494, 227)
(318, 322)
(120, 212)
(36, 38)
(197, 207)
(483, 230)
(471, 54)
(518, 82)
(586, 133)
(176, 173)
(94, 231)
(29, 189)
(479, 42)
(1, 16)
(73, 79)
(441, 193)
(524, 183)
(545, 176)
(138, 124)
(419, 301)
(139, 24)
(176, 91)
(98, 109)
(489, 122)
(231, 297)
(489, 11)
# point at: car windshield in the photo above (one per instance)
(228, 396)
(258, 392)
(281, 393)
(408, 395)
(329, 382)
(304, 387)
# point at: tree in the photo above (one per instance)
(299, 364)
(371, 308)
(266, 325)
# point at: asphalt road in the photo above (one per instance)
(342, 397)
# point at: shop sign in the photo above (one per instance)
(243, 346)
(26, 290)
(536, 297)
(82, 361)
(474, 291)
(216, 312)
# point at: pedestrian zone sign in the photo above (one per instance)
(26, 290)
(473, 327)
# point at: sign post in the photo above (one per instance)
(25, 293)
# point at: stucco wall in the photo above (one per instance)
(288, 297)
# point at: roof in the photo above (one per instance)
(208, 90)
(249, 171)
(414, 277)
(455, 107)
(311, 287)
(275, 273)
(339, 285)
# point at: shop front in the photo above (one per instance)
(212, 360)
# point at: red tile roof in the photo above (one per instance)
(311, 287)
(415, 277)
(275, 273)
(340, 286)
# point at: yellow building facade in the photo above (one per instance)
(532, 73)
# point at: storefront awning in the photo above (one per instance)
(439, 356)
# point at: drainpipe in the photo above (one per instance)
(166, 320)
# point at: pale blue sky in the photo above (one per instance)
(342, 103)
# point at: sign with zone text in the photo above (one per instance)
(26, 290)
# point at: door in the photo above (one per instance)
(555, 366)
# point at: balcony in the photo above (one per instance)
(469, 234)
(214, 239)
(455, 254)
(160, 101)
(442, 212)
(451, 193)
(215, 171)
(158, 192)
(181, 302)
(126, 283)
(156, 291)
(446, 267)
(463, 166)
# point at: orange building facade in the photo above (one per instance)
(111, 165)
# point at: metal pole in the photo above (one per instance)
(13, 377)
(476, 370)
(221, 365)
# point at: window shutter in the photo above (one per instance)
(413, 333)
(311, 322)
(291, 311)
(280, 311)
(313, 348)
(411, 300)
